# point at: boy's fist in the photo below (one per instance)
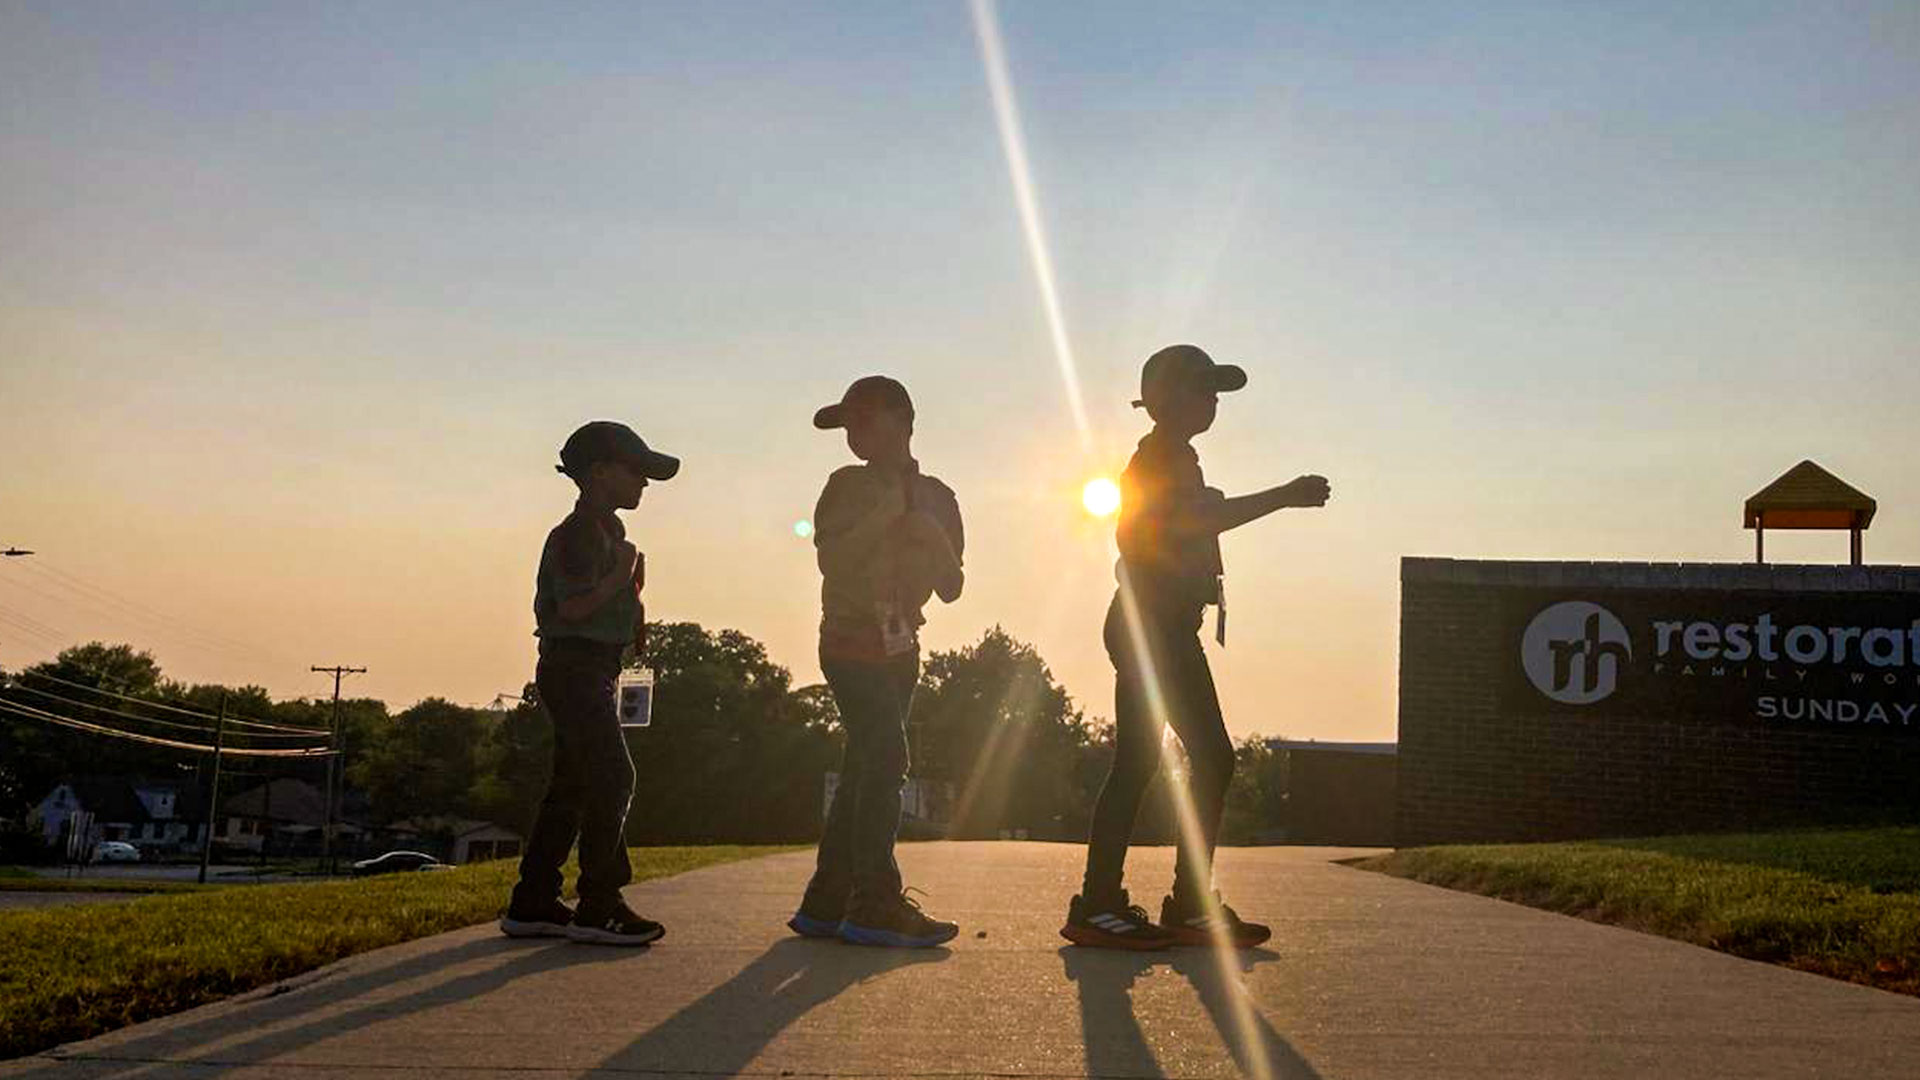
(1309, 491)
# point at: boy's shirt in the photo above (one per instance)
(866, 574)
(1172, 570)
(578, 555)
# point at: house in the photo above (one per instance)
(459, 840)
(278, 816)
(148, 813)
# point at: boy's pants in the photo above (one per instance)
(856, 847)
(592, 782)
(1193, 709)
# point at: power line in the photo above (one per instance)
(261, 725)
(33, 628)
(100, 595)
(31, 713)
(152, 720)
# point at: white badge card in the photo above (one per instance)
(896, 631)
(635, 687)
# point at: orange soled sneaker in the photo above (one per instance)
(1113, 924)
(1196, 922)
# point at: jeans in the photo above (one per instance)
(592, 783)
(856, 847)
(1193, 710)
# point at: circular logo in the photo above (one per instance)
(1575, 652)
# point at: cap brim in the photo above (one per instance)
(833, 416)
(1226, 377)
(657, 466)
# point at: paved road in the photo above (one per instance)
(161, 872)
(10, 900)
(1368, 977)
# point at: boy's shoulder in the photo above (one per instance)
(579, 536)
(1159, 453)
(844, 481)
(938, 488)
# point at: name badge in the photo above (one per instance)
(896, 630)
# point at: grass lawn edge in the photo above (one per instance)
(1791, 918)
(71, 974)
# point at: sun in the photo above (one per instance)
(1101, 497)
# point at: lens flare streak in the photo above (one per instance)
(1252, 1049)
(986, 22)
(1006, 112)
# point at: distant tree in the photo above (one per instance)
(1257, 799)
(35, 755)
(425, 762)
(734, 753)
(514, 762)
(120, 668)
(990, 720)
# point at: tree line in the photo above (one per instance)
(735, 753)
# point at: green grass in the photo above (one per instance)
(1842, 903)
(73, 972)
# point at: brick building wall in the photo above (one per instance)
(1476, 765)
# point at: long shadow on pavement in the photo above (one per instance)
(193, 1043)
(1110, 1029)
(725, 1029)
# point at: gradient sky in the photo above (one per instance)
(298, 301)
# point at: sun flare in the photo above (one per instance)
(1101, 497)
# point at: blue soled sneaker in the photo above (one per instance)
(894, 921)
(818, 922)
(821, 909)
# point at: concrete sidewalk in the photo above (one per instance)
(1367, 976)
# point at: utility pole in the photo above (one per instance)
(14, 553)
(333, 742)
(213, 800)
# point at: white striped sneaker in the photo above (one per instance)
(1114, 925)
(1202, 922)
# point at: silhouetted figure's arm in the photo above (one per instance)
(1218, 514)
(581, 605)
(851, 521)
(925, 531)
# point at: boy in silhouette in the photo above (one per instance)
(888, 538)
(1169, 571)
(587, 613)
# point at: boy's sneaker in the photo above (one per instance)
(896, 922)
(618, 926)
(549, 919)
(1115, 925)
(822, 907)
(1194, 923)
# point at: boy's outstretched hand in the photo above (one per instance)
(1308, 491)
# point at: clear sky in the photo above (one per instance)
(298, 301)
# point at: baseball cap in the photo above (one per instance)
(872, 392)
(609, 440)
(1187, 365)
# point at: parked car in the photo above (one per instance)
(115, 851)
(397, 861)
